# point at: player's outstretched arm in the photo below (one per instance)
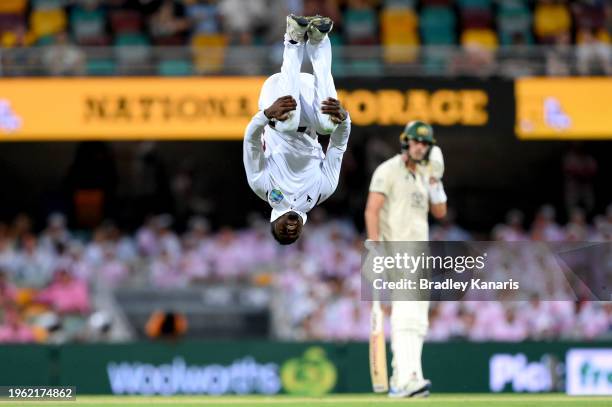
(336, 148)
(376, 200)
(253, 152)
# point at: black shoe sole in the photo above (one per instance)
(324, 27)
(302, 21)
(423, 391)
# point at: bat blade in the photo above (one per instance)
(378, 353)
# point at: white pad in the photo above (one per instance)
(409, 322)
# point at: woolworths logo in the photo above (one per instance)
(310, 375)
(243, 376)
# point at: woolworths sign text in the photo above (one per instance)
(243, 376)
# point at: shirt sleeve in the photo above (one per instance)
(332, 163)
(380, 181)
(253, 155)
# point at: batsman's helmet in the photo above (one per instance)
(419, 131)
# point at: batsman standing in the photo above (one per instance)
(404, 189)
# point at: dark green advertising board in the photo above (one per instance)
(246, 367)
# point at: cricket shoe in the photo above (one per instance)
(318, 28)
(297, 27)
(416, 388)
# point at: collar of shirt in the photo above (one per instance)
(277, 213)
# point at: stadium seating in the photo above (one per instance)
(45, 22)
(399, 28)
(438, 24)
(175, 67)
(484, 38)
(133, 51)
(513, 17)
(88, 26)
(13, 6)
(126, 21)
(360, 26)
(209, 52)
(551, 19)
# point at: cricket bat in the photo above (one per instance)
(378, 352)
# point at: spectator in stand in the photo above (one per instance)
(56, 232)
(448, 230)
(88, 23)
(558, 57)
(589, 14)
(14, 329)
(512, 230)
(576, 229)
(579, 170)
(204, 15)
(324, 8)
(113, 271)
(592, 53)
(243, 18)
(228, 256)
(22, 226)
(510, 328)
(156, 236)
(166, 271)
(192, 264)
(608, 18)
(592, 320)
(8, 292)
(7, 249)
(66, 294)
(17, 58)
(168, 24)
(361, 23)
(33, 265)
(544, 227)
(63, 58)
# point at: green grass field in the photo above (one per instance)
(353, 400)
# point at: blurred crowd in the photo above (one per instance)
(479, 27)
(47, 279)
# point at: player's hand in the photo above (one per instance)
(334, 109)
(280, 108)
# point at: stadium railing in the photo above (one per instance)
(362, 61)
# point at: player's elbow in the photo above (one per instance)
(438, 211)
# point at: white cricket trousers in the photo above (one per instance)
(308, 90)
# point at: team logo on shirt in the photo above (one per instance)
(276, 196)
(418, 200)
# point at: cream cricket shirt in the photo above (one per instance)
(404, 214)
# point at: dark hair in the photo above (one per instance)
(281, 240)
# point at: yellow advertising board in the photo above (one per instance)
(127, 108)
(211, 108)
(564, 108)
